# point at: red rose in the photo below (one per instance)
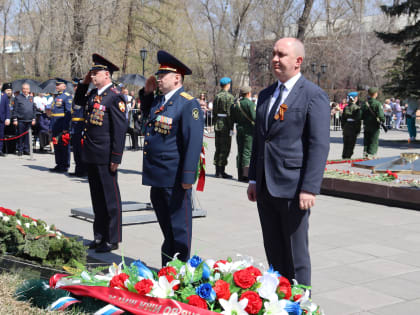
(144, 286)
(216, 264)
(244, 278)
(171, 278)
(7, 211)
(117, 281)
(296, 297)
(254, 271)
(195, 300)
(221, 288)
(167, 271)
(284, 288)
(254, 302)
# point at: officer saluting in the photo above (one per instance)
(103, 144)
(172, 146)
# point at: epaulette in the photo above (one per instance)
(187, 96)
(115, 90)
(67, 93)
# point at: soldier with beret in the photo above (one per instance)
(243, 114)
(351, 123)
(172, 146)
(372, 115)
(103, 145)
(23, 115)
(60, 125)
(77, 125)
(223, 127)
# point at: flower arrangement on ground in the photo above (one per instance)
(25, 237)
(223, 286)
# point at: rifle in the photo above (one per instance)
(384, 127)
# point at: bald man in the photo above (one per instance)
(289, 152)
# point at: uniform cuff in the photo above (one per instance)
(116, 157)
(188, 177)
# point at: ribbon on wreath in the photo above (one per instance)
(201, 170)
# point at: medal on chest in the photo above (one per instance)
(98, 111)
(163, 124)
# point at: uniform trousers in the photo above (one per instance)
(77, 153)
(411, 126)
(106, 203)
(23, 142)
(244, 141)
(174, 212)
(350, 132)
(62, 156)
(370, 142)
(223, 141)
(285, 233)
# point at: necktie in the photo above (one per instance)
(274, 107)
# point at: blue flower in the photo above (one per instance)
(206, 292)
(206, 271)
(142, 270)
(271, 270)
(194, 261)
(292, 308)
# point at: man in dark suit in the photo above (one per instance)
(4, 117)
(103, 145)
(289, 152)
(172, 146)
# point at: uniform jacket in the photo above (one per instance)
(77, 119)
(105, 124)
(221, 107)
(370, 121)
(293, 152)
(243, 114)
(4, 108)
(24, 108)
(352, 115)
(171, 158)
(61, 113)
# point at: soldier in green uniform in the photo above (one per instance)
(351, 123)
(243, 114)
(223, 127)
(372, 115)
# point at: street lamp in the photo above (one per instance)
(143, 55)
(318, 74)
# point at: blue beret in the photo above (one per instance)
(352, 94)
(225, 80)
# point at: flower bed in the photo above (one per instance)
(195, 287)
(25, 237)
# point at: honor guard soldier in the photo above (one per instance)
(60, 125)
(172, 146)
(77, 125)
(351, 124)
(103, 145)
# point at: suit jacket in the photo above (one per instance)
(171, 158)
(292, 154)
(4, 108)
(105, 124)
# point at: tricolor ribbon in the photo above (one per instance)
(63, 303)
(109, 310)
(202, 170)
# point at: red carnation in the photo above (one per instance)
(244, 278)
(254, 271)
(284, 288)
(171, 278)
(144, 286)
(216, 264)
(117, 281)
(221, 288)
(167, 271)
(195, 300)
(7, 211)
(254, 302)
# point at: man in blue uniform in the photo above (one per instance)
(60, 126)
(172, 146)
(4, 117)
(77, 125)
(103, 145)
(23, 114)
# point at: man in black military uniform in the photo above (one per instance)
(103, 145)
(172, 146)
(60, 126)
(23, 115)
(9, 130)
(77, 125)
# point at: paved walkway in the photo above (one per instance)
(366, 257)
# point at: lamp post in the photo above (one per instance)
(318, 74)
(143, 55)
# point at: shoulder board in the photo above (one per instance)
(187, 96)
(67, 93)
(115, 90)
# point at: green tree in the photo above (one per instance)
(405, 72)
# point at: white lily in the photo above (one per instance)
(233, 306)
(229, 267)
(163, 288)
(269, 283)
(306, 303)
(274, 306)
(113, 270)
(6, 219)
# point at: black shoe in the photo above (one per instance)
(106, 247)
(26, 153)
(224, 175)
(58, 170)
(94, 244)
(218, 172)
(74, 174)
(243, 179)
(2, 154)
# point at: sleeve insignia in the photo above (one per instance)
(195, 113)
(186, 95)
(121, 105)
